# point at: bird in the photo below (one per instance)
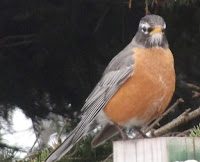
(135, 88)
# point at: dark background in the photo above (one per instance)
(53, 52)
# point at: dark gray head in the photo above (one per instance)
(151, 32)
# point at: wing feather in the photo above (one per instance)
(118, 71)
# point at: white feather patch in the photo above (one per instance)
(155, 39)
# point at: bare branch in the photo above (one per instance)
(184, 133)
(18, 43)
(193, 86)
(16, 40)
(67, 121)
(101, 19)
(73, 153)
(183, 118)
(37, 138)
(196, 94)
(108, 158)
(147, 8)
(130, 4)
(178, 134)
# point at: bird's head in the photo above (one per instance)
(151, 32)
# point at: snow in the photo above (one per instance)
(23, 135)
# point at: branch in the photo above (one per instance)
(16, 40)
(18, 43)
(193, 86)
(147, 8)
(68, 120)
(196, 94)
(101, 19)
(184, 133)
(59, 141)
(108, 158)
(178, 134)
(37, 137)
(183, 118)
(130, 4)
(73, 153)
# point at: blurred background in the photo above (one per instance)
(53, 52)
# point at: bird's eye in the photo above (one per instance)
(145, 30)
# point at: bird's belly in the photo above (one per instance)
(136, 103)
(142, 97)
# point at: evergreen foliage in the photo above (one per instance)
(195, 132)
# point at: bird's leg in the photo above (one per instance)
(139, 131)
(123, 135)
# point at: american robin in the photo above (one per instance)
(136, 87)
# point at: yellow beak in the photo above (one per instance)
(156, 30)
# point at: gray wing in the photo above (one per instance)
(118, 71)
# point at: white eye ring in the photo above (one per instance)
(145, 30)
(144, 27)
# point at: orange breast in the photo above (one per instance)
(147, 93)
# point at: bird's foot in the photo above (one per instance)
(140, 132)
(123, 135)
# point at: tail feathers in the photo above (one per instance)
(69, 142)
(59, 152)
(105, 134)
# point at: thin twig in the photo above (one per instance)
(154, 2)
(196, 94)
(193, 86)
(18, 43)
(183, 118)
(130, 4)
(68, 120)
(108, 158)
(37, 138)
(157, 7)
(16, 40)
(101, 19)
(178, 134)
(147, 8)
(184, 133)
(74, 152)
(12, 37)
